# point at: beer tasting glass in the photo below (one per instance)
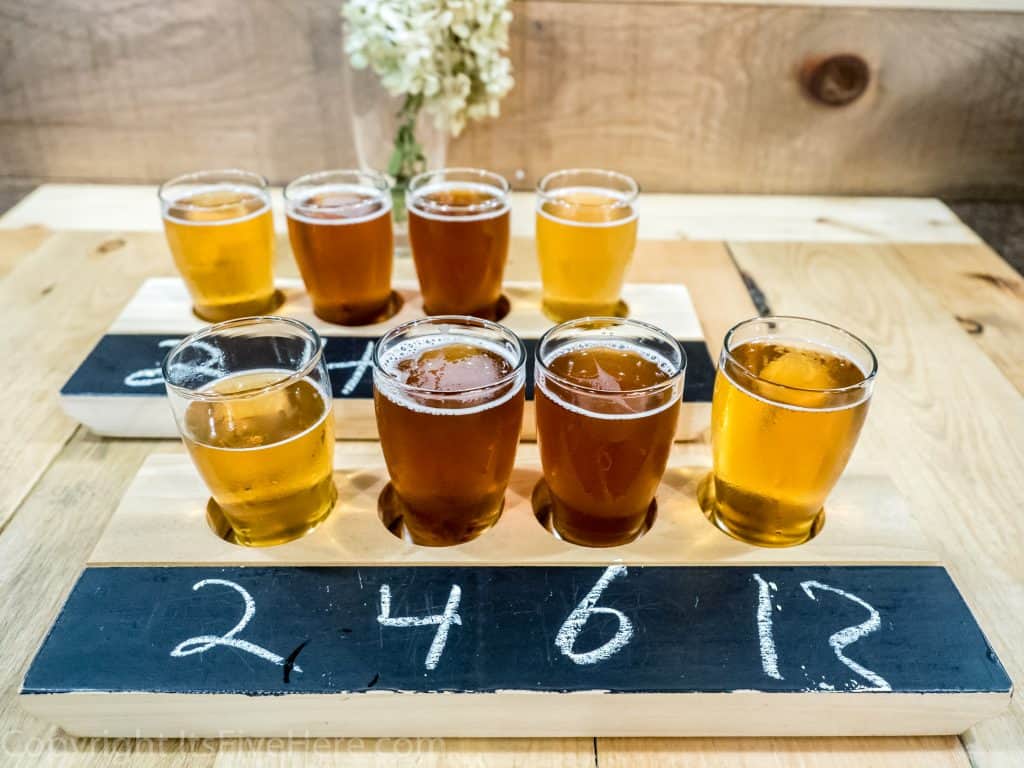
(607, 397)
(252, 401)
(459, 232)
(339, 223)
(221, 233)
(791, 395)
(586, 233)
(449, 394)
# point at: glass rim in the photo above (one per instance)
(466, 321)
(618, 321)
(253, 320)
(869, 377)
(630, 197)
(378, 181)
(493, 179)
(254, 179)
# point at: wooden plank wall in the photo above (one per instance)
(688, 96)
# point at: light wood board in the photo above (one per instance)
(512, 714)
(162, 520)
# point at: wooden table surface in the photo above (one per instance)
(942, 311)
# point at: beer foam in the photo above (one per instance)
(294, 206)
(560, 193)
(662, 362)
(201, 189)
(410, 348)
(441, 186)
(805, 344)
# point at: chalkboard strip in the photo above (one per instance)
(118, 390)
(128, 365)
(464, 650)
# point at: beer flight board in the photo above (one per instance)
(173, 631)
(118, 389)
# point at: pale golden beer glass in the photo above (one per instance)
(221, 233)
(607, 394)
(449, 394)
(252, 400)
(586, 234)
(791, 395)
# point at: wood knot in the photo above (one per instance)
(108, 246)
(837, 80)
(970, 325)
(1002, 283)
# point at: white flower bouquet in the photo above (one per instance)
(445, 57)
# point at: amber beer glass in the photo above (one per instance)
(252, 400)
(339, 223)
(790, 398)
(221, 234)
(459, 232)
(607, 397)
(586, 233)
(449, 394)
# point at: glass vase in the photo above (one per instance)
(373, 116)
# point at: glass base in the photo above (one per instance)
(349, 317)
(219, 524)
(760, 538)
(495, 314)
(543, 510)
(394, 514)
(218, 313)
(560, 311)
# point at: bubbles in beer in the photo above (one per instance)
(340, 204)
(587, 205)
(460, 199)
(214, 205)
(446, 364)
(254, 418)
(453, 367)
(797, 373)
(610, 367)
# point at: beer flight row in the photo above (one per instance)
(220, 231)
(252, 401)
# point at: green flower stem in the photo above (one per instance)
(407, 158)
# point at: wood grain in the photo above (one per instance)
(945, 421)
(41, 552)
(927, 752)
(984, 294)
(685, 96)
(162, 520)
(699, 97)
(55, 301)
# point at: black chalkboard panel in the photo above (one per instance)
(129, 364)
(276, 630)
